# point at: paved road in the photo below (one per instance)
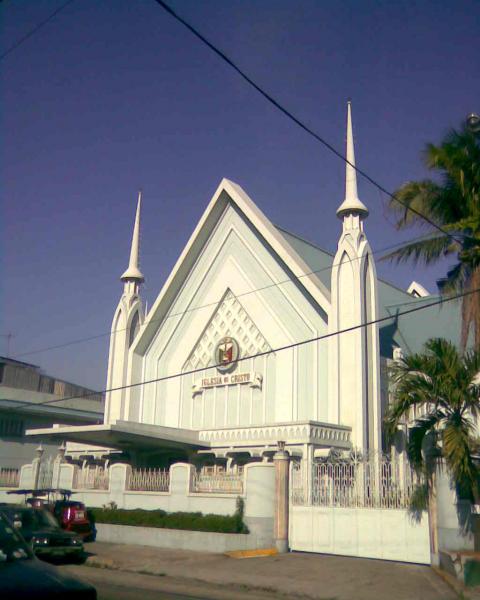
(285, 576)
(118, 585)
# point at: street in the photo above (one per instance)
(118, 585)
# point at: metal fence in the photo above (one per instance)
(9, 477)
(375, 481)
(45, 473)
(148, 480)
(91, 479)
(220, 483)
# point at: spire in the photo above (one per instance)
(351, 204)
(133, 272)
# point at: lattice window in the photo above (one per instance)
(230, 319)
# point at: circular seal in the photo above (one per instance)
(226, 353)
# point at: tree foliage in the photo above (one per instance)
(453, 204)
(438, 393)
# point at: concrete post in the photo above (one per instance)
(36, 463)
(59, 459)
(281, 460)
(66, 476)
(118, 478)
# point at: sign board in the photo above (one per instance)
(251, 378)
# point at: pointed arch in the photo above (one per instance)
(133, 327)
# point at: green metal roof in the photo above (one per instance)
(410, 331)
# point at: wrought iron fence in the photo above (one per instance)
(9, 477)
(91, 479)
(45, 473)
(220, 483)
(148, 480)
(374, 481)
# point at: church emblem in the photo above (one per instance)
(226, 354)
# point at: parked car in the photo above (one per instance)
(40, 529)
(23, 576)
(71, 515)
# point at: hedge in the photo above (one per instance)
(195, 521)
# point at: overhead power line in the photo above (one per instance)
(194, 308)
(295, 119)
(35, 29)
(259, 354)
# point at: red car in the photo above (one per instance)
(70, 514)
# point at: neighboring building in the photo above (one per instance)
(26, 396)
(240, 350)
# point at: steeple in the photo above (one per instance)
(133, 273)
(352, 204)
(127, 322)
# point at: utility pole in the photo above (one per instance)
(9, 337)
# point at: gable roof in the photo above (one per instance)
(227, 193)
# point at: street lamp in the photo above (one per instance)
(473, 122)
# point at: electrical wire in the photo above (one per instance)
(297, 120)
(35, 29)
(260, 354)
(188, 310)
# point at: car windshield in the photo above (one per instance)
(36, 519)
(12, 545)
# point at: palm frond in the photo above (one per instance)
(418, 501)
(457, 438)
(418, 455)
(453, 205)
(426, 251)
(416, 195)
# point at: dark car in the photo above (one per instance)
(23, 576)
(39, 528)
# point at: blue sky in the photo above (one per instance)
(115, 95)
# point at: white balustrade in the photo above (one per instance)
(148, 480)
(9, 477)
(96, 478)
(220, 483)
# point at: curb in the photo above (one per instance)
(252, 553)
(457, 586)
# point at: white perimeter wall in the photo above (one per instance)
(387, 534)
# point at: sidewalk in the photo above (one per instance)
(294, 575)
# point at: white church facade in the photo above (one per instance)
(257, 337)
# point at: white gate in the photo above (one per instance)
(357, 507)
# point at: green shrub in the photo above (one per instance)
(193, 521)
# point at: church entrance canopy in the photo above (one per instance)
(125, 435)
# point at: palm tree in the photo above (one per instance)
(453, 205)
(443, 386)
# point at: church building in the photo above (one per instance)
(257, 337)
